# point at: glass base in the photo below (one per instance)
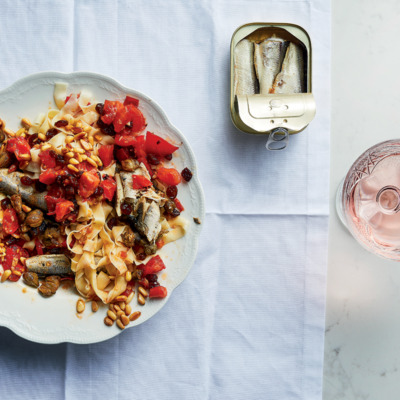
(339, 203)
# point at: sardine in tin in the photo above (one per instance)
(271, 81)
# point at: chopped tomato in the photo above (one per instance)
(10, 221)
(135, 119)
(158, 146)
(121, 119)
(158, 292)
(160, 243)
(124, 140)
(178, 205)
(19, 146)
(48, 177)
(106, 154)
(53, 196)
(154, 265)
(11, 260)
(122, 154)
(131, 100)
(110, 111)
(38, 247)
(169, 176)
(140, 182)
(47, 160)
(109, 187)
(139, 146)
(88, 183)
(85, 166)
(63, 208)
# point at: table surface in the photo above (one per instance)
(362, 311)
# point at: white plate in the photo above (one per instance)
(54, 320)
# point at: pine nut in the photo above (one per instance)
(87, 129)
(141, 299)
(68, 127)
(18, 273)
(26, 123)
(73, 161)
(119, 313)
(85, 145)
(108, 321)
(128, 309)
(111, 307)
(70, 154)
(91, 140)
(79, 158)
(125, 320)
(98, 137)
(69, 139)
(78, 150)
(22, 259)
(143, 291)
(8, 132)
(46, 146)
(80, 135)
(20, 132)
(128, 276)
(78, 124)
(92, 162)
(42, 136)
(121, 298)
(80, 306)
(72, 168)
(122, 306)
(120, 325)
(134, 316)
(25, 156)
(26, 208)
(84, 157)
(95, 306)
(116, 308)
(130, 297)
(6, 275)
(111, 315)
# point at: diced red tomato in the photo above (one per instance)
(158, 292)
(140, 147)
(10, 221)
(158, 146)
(169, 176)
(131, 100)
(121, 118)
(38, 247)
(47, 160)
(124, 140)
(106, 154)
(19, 146)
(122, 154)
(160, 243)
(178, 205)
(135, 119)
(54, 194)
(88, 183)
(109, 187)
(140, 182)
(154, 265)
(63, 208)
(48, 177)
(85, 166)
(110, 111)
(11, 260)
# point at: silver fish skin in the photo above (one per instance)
(268, 57)
(245, 81)
(291, 78)
(148, 220)
(49, 264)
(10, 183)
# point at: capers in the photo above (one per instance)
(34, 219)
(49, 286)
(31, 279)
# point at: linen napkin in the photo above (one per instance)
(248, 322)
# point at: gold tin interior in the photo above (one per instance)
(258, 32)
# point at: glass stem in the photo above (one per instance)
(388, 199)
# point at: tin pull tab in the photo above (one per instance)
(278, 139)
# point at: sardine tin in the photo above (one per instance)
(273, 113)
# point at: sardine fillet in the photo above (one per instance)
(268, 57)
(291, 78)
(245, 76)
(49, 264)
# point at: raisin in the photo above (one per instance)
(172, 192)
(168, 157)
(60, 160)
(98, 192)
(61, 123)
(25, 180)
(100, 108)
(152, 159)
(112, 222)
(126, 208)
(51, 133)
(186, 174)
(176, 212)
(69, 192)
(39, 186)
(6, 203)
(141, 256)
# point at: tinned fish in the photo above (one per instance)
(245, 81)
(291, 78)
(51, 264)
(268, 57)
(10, 183)
(148, 220)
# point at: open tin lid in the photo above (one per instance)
(277, 115)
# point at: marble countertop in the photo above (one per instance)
(362, 345)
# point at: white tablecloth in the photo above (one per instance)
(248, 322)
